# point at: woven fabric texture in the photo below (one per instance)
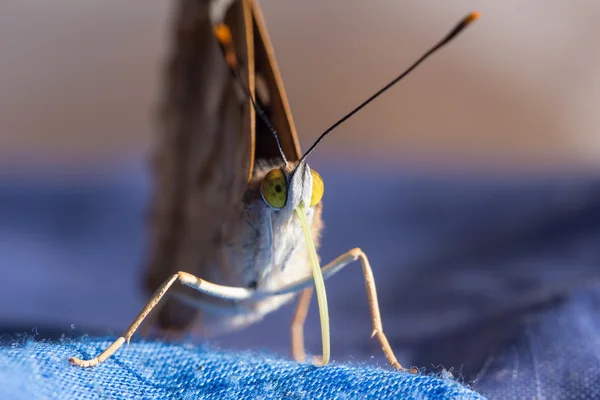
(155, 370)
(555, 354)
(493, 279)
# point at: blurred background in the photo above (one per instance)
(80, 81)
(472, 185)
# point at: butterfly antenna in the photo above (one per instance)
(453, 33)
(223, 35)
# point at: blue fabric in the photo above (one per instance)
(154, 370)
(494, 279)
(555, 354)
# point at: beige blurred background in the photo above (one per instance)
(520, 89)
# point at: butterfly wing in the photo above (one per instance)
(202, 156)
(207, 146)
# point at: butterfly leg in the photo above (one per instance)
(329, 270)
(225, 292)
(297, 327)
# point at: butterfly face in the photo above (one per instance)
(273, 197)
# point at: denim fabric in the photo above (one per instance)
(484, 277)
(154, 370)
(554, 354)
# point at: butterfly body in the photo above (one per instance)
(260, 249)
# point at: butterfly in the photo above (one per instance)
(236, 214)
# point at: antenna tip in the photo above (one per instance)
(225, 39)
(472, 17)
(222, 33)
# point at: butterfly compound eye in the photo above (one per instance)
(317, 188)
(274, 189)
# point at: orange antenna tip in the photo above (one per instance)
(225, 39)
(472, 17)
(223, 34)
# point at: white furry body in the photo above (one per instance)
(265, 249)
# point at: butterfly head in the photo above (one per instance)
(276, 196)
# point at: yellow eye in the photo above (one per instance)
(274, 188)
(317, 188)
